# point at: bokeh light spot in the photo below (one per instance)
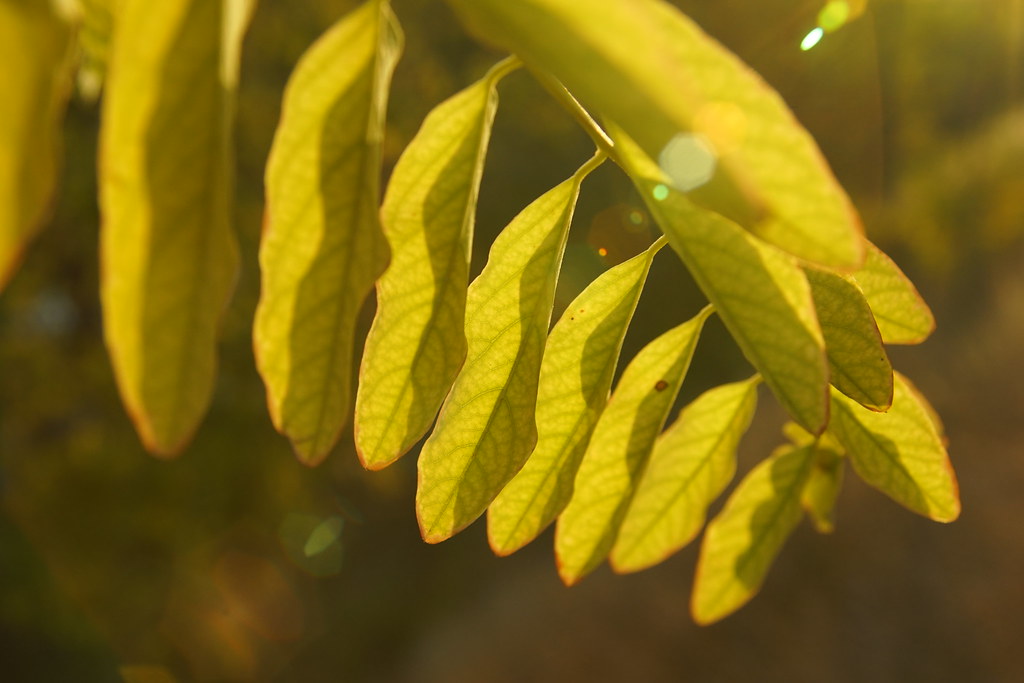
(323, 536)
(688, 160)
(833, 15)
(660, 192)
(812, 38)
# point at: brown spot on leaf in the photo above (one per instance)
(662, 385)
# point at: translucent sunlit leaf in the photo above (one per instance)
(899, 452)
(486, 427)
(760, 293)
(741, 543)
(818, 499)
(620, 448)
(576, 374)
(714, 126)
(322, 245)
(169, 256)
(902, 315)
(858, 362)
(35, 50)
(417, 342)
(692, 462)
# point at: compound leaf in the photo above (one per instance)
(575, 376)
(857, 359)
(902, 315)
(322, 246)
(486, 427)
(169, 257)
(692, 463)
(417, 342)
(713, 125)
(743, 540)
(620, 447)
(35, 49)
(899, 452)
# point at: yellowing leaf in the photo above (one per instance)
(742, 541)
(169, 256)
(899, 452)
(486, 427)
(417, 342)
(322, 245)
(620, 447)
(714, 126)
(902, 315)
(35, 47)
(818, 499)
(761, 295)
(575, 376)
(692, 462)
(858, 362)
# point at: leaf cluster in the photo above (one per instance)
(521, 420)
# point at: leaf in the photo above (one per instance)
(620, 447)
(575, 376)
(417, 342)
(322, 246)
(902, 315)
(899, 452)
(486, 427)
(692, 463)
(818, 499)
(743, 540)
(857, 360)
(760, 293)
(35, 49)
(169, 257)
(691, 104)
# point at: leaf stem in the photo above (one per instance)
(503, 68)
(578, 112)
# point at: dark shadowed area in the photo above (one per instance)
(235, 562)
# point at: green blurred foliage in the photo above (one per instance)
(234, 562)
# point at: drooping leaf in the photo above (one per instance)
(35, 50)
(692, 463)
(902, 315)
(818, 499)
(486, 427)
(690, 104)
(857, 359)
(417, 342)
(620, 447)
(575, 376)
(741, 543)
(169, 256)
(760, 293)
(322, 246)
(899, 452)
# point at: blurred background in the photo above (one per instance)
(235, 562)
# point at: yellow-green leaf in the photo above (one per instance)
(417, 342)
(169, 255)
(35, 50)
(692, 463)
(486, 427)
(857, 359)
(620, 447)
(760, 293)
(575, 376)
(899, 452)
(713, 125)
(322, 246)
(818, 499)
(902, 315)
(743, 540)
